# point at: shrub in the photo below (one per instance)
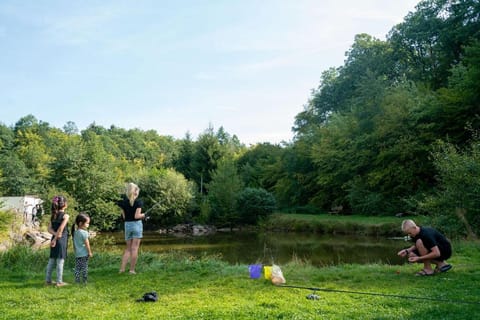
(254, 204)
(6, 218)
(454, 205)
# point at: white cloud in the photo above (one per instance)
(175, 67)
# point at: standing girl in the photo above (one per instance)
(81, 247)
(58, 245)
(132, 215)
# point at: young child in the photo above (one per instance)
(59, 241)
(81, 247)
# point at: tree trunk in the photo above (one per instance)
(460, 212)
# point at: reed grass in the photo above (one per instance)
(336, 224)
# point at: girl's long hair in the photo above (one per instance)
(130, 192)
(58, 204)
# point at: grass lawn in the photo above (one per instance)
(207, 288)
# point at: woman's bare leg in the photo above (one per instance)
(126, 255)
(134, 254)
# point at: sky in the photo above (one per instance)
(178, 66)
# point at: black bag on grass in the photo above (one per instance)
(149, 297)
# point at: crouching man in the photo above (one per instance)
(430, 247)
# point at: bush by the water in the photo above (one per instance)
(254, 204)
(334, 224)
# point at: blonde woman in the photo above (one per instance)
(132, 216)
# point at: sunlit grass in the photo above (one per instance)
(207, 288)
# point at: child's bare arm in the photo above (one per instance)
(50, 229)
(59, 232)
(87, 245)
(62, 226)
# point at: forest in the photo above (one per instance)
(394, 129)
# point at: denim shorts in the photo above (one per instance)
(133, 230)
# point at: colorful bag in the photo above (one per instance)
(255, 270)
(277, 275)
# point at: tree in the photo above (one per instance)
(70, 128)
(431, 39)
(6, 138)
(293, 175)
(455, 204)
(207, 153)
(30, 147)
(323, 102)
(224, 189)
(14, 176)
(13, 173)
(167, 194)
(459, 103)
(254, 165)
(368, 57)
(254, 204)
(184, 160)
(88, 173)
(34, 154)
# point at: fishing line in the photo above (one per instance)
(155, 204)
(152, 207)
(265, 249)
(382, 294)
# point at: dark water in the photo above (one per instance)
(279, 248)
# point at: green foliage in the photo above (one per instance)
(363, 140)
(104, 214)
(168, 196)
(6, 219)
(183, 161)
(14, 176)
(205, 211)
(224, 189)
(254, 204)
(205, 157)
(90, 168)
(433, 38)
(32, 151)
(6, 138)
(23, 259)
(455, 204)
(294, 175)
(459, 102)
(361, 199)
(255, 165)
(370, 124)
(330, 224)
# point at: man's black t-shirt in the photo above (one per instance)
(431, 238)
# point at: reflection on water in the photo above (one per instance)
(280, 248)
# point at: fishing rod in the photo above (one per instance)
(313, 296)
(152, 207)
(155, 204)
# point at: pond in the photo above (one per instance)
(279, 248)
